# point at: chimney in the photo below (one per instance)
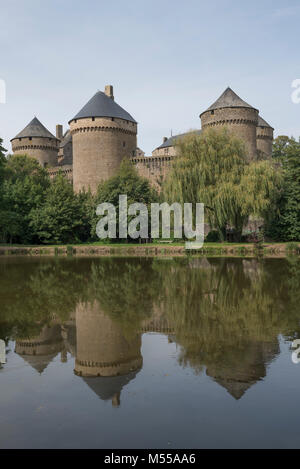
(116, 399)
(59, 132)
(109, 91)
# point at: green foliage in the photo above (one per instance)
(285, 223)
(20, 167)
(22, 190)
(59, 219)
(219, 307)
(127, 182)
(33, 210)
(225, 314)
(213, 237)
(2, 159)
(292, 247)
(213, 169)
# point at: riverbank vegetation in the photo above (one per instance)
(211, 168)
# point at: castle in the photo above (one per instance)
(102, 133)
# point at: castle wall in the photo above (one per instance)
(47, 342)
(264, 140)
(99, 145)
(102, 349)
(44, 150)
(153, 168)
(65, 153)
(241, 122)
(66, 170)
(167, 151)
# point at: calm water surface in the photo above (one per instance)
(149, 353)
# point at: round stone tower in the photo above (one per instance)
(102, 349)
(264, 138)
(40, 350)
(105, 358)
(37, 142)
(103, 134)
(238, 116)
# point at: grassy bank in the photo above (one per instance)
(155, 249)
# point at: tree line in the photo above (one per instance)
(211, 168)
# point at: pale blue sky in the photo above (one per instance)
(167, 60)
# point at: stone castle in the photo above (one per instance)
(103, 133)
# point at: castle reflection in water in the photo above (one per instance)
(224, 315)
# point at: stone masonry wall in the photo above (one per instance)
(99, 145)
(44, 150)
(241, 122)
(66, 170)
(264, 140)
(153, 168)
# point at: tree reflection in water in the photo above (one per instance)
(225, 314)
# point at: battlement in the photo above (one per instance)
(66, 170)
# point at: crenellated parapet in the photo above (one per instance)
(66, 170)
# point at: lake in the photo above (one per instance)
(149, 353)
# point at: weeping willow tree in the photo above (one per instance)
(226, 310)
(213, 168)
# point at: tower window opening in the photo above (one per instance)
(124, 144)
(93, 118)
(112, 118)
(212, 112)
(30, 138)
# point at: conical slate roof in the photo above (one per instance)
(263, 123)
(34, 129)
(107, 386)
(228, 99)
(101, 105)
(39, 362)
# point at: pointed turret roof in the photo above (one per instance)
(101, 105)
(263, 123)
(107, 386)
(39, 362)
(34, 129)
(228, 99)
